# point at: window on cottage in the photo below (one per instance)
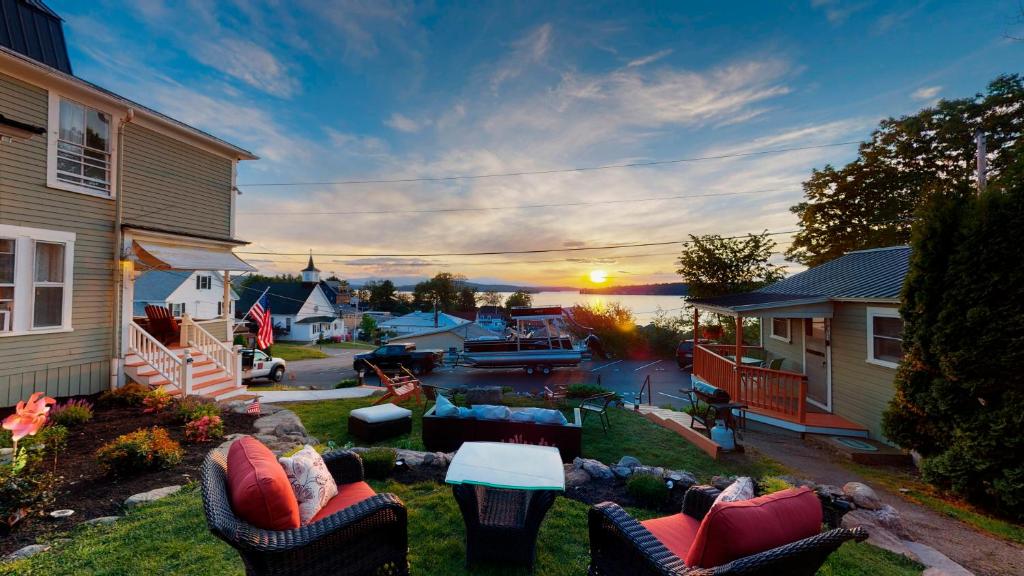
(220, 308)
(48, 298)
(6, 284)
(780, 328)
(204, 282)
(83, 146)
(177, 309)
(885, 336)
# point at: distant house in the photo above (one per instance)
(416, 322)
(447, 337)
(199, 294)
(301, 311)
(835, 332)
(491, 318)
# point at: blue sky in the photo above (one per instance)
(326, 91)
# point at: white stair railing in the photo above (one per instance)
(195, 336)
(176, 369)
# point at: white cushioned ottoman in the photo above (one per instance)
(379, 422)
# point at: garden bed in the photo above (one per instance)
(91, 493)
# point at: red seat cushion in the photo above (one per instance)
(348, 494)
(732, 530)
(675, 532)
(259, 488)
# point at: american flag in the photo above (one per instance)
(253, 407)
(260, 312)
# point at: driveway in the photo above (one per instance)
(324, 372)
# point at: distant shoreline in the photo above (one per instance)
(669, 289)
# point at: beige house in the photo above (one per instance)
(831, 340)
(94, 190)
(446, 337)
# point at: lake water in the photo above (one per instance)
(644, 307)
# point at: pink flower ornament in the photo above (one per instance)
(28, 417)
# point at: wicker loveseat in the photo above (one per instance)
(367, 537)
(447, 433)
(622, 546)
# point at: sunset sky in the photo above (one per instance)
(327, 92)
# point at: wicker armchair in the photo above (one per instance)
(621, 546)
(369, 537)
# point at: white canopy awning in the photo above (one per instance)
(176, 257)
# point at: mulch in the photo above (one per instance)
(91, 493)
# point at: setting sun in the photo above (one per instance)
(598, 276)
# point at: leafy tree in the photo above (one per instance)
(443, 290)
(467, 298)
(870, 202)
(959, 387)
(614, 324)
(518, 299)
(711, 265)
(367, 326)
(490, 298)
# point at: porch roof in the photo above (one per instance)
(180, 257)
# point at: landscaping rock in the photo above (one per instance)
(878, 534)
(411, 457)
(101, 521)
(151, 496)
(622, 471)
(650, 470)
(722, 482)
(283, 423)
(680, 478)
(862, 495)
(890, 518)
(938, 564)
(828, 490)
(6, 455)
(596, 469)
(483, 395)
(241, 407)
(628, 462)
(27, 552)
(575, 476)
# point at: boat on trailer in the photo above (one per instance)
(539, 342)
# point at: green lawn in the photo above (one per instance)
(290, 352)
(170, 538)
(350, 345)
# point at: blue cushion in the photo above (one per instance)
(490, 412)
(539, 415)
(444, 408)
(465, 412)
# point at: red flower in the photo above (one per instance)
(29, 416)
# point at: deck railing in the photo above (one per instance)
(776, 392)
(198, 338)
(176, 369)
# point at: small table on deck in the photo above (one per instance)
(504, 491)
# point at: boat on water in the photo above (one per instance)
(538, 343)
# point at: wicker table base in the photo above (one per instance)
(502, 524)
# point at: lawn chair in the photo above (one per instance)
(399, 388)
(776, 364)
(162, 325)
(556, 395)
(598, 404)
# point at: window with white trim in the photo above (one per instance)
(36, 273)
(779, 329)
(81, 152)
(177, 308)
(204, 282)
(885, 336)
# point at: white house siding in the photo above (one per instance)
(792, 351)
(68, 363)
(860, 391)
(201, 304)
(316, 305)
(440, 341)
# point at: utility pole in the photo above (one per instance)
(982, 160)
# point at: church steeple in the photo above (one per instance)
(311, 274)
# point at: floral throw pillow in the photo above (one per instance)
(741, 489)
(311, 481)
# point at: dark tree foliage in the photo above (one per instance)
(466, 299)
(870, 202)
(960, 388)
(442, 290)
(519, 299)
(712, 265)
(382, 295)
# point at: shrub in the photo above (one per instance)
(192, 408)
(648, 489)
(144, 449)
(71, 413)
(347, 383)
(204, 429)
(378, 462)
(585, 390)
(23, 491)
(131, 394)
(156, 401)
(772, 484)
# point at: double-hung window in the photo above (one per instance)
(36, 267)
(885, 336)
(177, 309)
(81, 151)
(204, 282)
(780, 329)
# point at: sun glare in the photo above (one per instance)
(598, 276)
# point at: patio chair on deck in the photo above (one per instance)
(777, 533)
(598, 404)
(162, 325)
(776, 363)
(400, 388)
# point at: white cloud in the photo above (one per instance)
(248, 62)
(528, 50)
(643, 61)
(403, 123)
(926, 93)
(837, 11)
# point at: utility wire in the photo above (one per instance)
(519, 206)
(554, 170)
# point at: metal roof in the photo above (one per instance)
(314, 319)
(285, 297)
(30, 28)
(875, 274)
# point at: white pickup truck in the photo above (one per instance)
(257, 364)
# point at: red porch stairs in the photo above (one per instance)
(208, 379)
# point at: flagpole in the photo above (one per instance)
(254, 304)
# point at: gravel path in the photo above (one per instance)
(981, 553)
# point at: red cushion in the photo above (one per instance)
(732, 530)
(348, 494)
(259, 489)
(675, 532)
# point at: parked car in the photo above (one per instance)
(396, 354)
(684, 353)
(258, 364)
